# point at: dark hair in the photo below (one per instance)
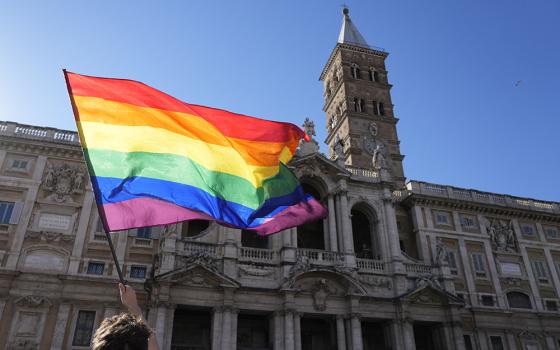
(121, 332)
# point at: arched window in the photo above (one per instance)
(362, 106)
(193, 228)
(363, 235)
(381, 109)
(311, 235)
(252, 240)
(355, 71)
(373, 75)
(356, 104)
(519, 300)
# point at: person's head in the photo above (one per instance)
(121, 332)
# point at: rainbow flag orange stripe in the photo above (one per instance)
(155, 160)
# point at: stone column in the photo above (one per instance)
(396, 335)
(552, 269)
(408, 335)
(469, 277)
(338, 216)
(293, 231)
(60, 327)
(297, 330)
(216, 328)
(278, 331)
(289, 330)
(457, 333)
(346, 226)
(81, 233)
(226, 329)
(357, 343)
(550, 343)
(160, 328)
(340, 334)
(234, 315)
(332, 223)
(393, 232)
(511, 344)
(286, 238)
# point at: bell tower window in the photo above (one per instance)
(373, 75)
(355, 71)
(378, 108)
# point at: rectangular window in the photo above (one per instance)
(138, 272)
(84, 328)
(19, 164)
(468, 342)
(551, 305)
(540, 271)
(6, 209)
(496, 342)
(95, 268)
(478, 264)
(144, 232)
(467, 222)
(443, 219)
(527, 230)
(487, 300)
(551, 232)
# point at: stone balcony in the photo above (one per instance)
(38, 133)
(468, 195)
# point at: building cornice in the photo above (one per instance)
(372, 51)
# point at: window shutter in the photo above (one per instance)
(16, 213)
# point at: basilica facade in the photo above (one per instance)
(395, 265)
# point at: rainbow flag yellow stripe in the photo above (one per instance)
(155, 160)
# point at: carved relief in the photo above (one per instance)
(33, 301)
(320, 292)
(201, 257)
(23, 344)
(374, 281)
(62, 181)
(502, 236)
(49, 237)
(254, 270)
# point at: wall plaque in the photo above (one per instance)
(54, 221)
(511, 269)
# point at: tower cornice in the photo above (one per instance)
(376, 51)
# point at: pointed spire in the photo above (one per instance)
(349, 34)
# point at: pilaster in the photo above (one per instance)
(60, 326)
(81, 233)
(19, 235)
(340, 334)
(217, 328)
(357, 343)
(332, 223)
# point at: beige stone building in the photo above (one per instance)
(395, 265)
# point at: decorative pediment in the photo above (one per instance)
(198, 276)
(317, 165)
(431, 294)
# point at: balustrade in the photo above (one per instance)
(257, 254)
(370, 265)
(321, 256)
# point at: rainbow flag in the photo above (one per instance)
(155, 160)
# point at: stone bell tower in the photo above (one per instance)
(362, 128)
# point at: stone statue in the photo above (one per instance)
(339, 150)
(378, 158)
(78, 181)
(439, 258)
(309, 127)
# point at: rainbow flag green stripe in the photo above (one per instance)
(155, 160)
(173, 168)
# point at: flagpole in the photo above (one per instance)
(119, 271)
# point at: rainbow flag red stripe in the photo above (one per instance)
(155, 160)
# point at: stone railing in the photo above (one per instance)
(370, 265)
(257, 254)
(417, 187)
(195, 247)
(418, 268)
(363, 172)
(318, 256)
(38, 133)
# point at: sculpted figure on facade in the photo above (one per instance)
(439, 258)
(378, 158)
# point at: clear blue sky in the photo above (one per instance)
(454, 66)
